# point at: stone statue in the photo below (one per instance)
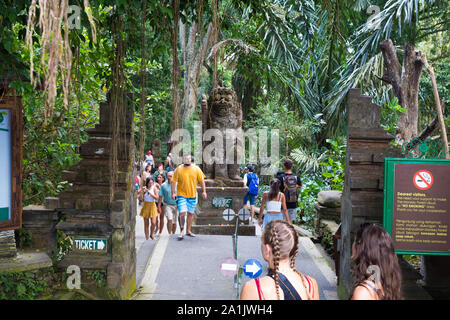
(224, 112)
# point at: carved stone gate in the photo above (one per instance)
(103, 232)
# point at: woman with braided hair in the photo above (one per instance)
(376, 272)
(279, 247)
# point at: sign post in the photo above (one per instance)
(417, 205)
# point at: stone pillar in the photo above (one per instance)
(362, 200)
(41, 222)
(89, 213)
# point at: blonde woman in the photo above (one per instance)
(279, 248)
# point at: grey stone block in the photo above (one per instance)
(114, 275)
(52, 203)
(330, 198)
(83, 204)
(118, 243)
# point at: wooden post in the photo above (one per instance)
(438, 105)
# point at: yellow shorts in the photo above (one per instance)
(149, 210)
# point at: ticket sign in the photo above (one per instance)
(91, 244)
(5, 165)
(417, 205)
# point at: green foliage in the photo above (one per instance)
(24, 285)
(427, 104)
(64, 245)
(262, 188)
(326, 239)
(334, 169)
(413, 260)
(24, 238)
(313, 183)
(98, 276)
(390, 113)
(328, 174)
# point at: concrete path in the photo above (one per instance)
(168, 269)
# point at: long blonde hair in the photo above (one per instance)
(283, 239)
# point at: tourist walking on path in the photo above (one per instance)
(170, 206)
(376, 271)
(185, 179)
(149, 159)
(149, 210)
(170, 166)
(289, 184)
(279, 248)
(252, 182)
(160, 170)
(275, 201)
(160, 180)
(147, 172)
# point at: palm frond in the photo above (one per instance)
(307, 159)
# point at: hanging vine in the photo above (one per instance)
(175, 65)
(118, 114)
(56, 55)
(143, 85)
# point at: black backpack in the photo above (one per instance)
(290, 188)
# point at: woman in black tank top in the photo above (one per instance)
(279, 248)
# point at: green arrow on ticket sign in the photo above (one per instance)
(90, 244)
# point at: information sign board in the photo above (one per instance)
(417, 205)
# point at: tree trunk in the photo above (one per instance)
(405, 83)
(175, 66)
(194, 61)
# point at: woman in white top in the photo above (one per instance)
(275, 201)
(149, 209)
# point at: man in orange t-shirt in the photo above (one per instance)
(185, 178)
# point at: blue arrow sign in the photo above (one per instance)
(252, 268)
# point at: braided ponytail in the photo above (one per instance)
(293, 256)
(283, 239)
(275, 244)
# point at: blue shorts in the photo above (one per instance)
(186, 204)
(270, 217)
(250, 197)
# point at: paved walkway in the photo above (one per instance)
(168, 269)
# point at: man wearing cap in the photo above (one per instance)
(185, 178)
(148, 159)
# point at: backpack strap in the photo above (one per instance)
(310, 287)
(258, 286)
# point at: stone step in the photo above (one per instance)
(224, 230)
(92, 262)
(215, 221)
(25, 261)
